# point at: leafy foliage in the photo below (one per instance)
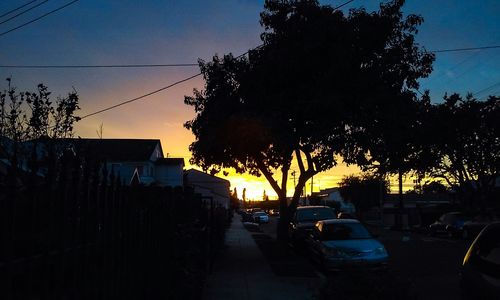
(320, 80)
(363, 191)
(32, 116)
(465, 136)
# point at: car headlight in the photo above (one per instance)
(380, 251)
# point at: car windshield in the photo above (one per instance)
(315, 214)
(260, 213)
(345, 231)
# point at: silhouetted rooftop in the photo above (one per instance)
(117, 149)
(168, 161)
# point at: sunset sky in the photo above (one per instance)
(92, 32)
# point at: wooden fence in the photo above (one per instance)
(80, 234)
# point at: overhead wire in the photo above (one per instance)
(23, 12)
(97, 66)
(190, 64)
(16, 9)
(486, 89)
(38, 18)
(465, 49)
(170, 85)
(140, 97)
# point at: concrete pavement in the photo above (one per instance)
(242, 272)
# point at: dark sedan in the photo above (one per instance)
(450, 224)
(480, 272)
(304, 220)
(472, 228)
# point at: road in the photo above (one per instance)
(431, 264)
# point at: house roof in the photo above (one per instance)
(194, 175)
(118, 149)
(170, 161)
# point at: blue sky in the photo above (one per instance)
(155, 31)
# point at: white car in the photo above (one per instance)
(260, 217)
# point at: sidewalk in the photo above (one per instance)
(242, 272)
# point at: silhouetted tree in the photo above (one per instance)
(306, 94)
(235, 202)
(466, 144)
(363, 191)
(33, 116)
(434, 187)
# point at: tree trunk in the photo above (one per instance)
(399, 215)
(283, 221)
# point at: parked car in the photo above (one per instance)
(247, 216)
(274, 212)
(450, 224)
(342, 243)
(480, 271)
(260, 217)
(305, 218)
(344, 215)
(472, 228)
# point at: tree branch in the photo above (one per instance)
(284, 176)
(299, 161)
(265, 171)
(310, 163)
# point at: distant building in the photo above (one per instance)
(209, 186)
(330, 195)
(140, 160)
(169, 171)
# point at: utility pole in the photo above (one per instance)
(312, 183)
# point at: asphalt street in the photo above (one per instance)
(431, 264)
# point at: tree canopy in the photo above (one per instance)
(32, 116)
(464, 134)
(319, 80)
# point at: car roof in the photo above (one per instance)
(492, 226)
(311, 207)
(339, 221)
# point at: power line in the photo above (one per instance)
(155, 91)
(16, 9)
(23, 12)
(465, 49)
(486, 89)
(95, 66)
(343, 4)
(185, 64)
(141, 97)
(36, 19)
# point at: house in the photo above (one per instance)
(142, 157)
(138, 160)
(169, 171)
(210, 187)
(330, 195)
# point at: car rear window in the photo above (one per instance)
(315, 214)
(352, 231)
